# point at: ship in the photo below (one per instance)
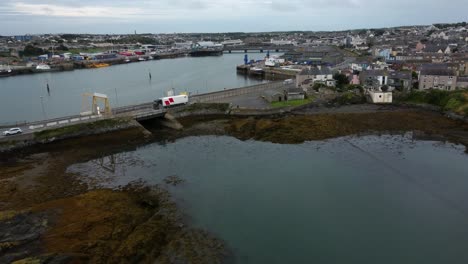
(206, 48)
(6, 71)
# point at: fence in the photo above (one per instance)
(213, 96)
(131, 108)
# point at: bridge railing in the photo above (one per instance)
(213, 96)
(124, 109)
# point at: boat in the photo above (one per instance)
(206, 48)
(43, 67)
(6, 72)
(127, 60)
(257, 71)
(98, 65)
(141, 59)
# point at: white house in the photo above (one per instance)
(309, 76)
(379, 97)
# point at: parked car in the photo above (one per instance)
(12, 131)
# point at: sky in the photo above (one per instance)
(169, 16)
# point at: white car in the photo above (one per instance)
(13, 131)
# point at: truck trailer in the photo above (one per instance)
(170, 101)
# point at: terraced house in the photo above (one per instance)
(436, 78)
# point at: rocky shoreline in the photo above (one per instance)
(48, 215)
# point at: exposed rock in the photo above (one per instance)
(173, 180)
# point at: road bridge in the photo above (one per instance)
(141, 111)
(260, 49)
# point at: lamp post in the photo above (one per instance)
(116, 97)
(43, 109)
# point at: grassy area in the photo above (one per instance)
(7, 143)
(292, 102)
(88, 50)
(68, 130)
(455, 101)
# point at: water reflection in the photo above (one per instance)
(336, 198)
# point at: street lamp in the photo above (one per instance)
(43, 109)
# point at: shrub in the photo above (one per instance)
(453, 104)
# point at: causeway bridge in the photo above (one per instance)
(142, 111)
(261, 49)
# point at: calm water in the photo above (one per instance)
(20, 96)
(371, 199)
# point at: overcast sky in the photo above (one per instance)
(166, 16)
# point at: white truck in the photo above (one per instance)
(170, 101)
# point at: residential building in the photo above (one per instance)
(307, 77)
(437, 78)
(400, 80)
(295, 94)
(374, 78)
(462, 82)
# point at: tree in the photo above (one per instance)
(62, 47)
(341, 80)
(31, 50)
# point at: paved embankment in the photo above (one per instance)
(98, 126)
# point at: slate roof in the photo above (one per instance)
(433, 48)
(400, 75)
(295, 91)
(316, 71)
(437, 72)
(373, 73)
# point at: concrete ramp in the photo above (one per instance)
(171, 122)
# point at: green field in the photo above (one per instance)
(88, 50)
(292, 103)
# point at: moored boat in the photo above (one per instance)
(6, 71)
(98, 65)
(43, 67)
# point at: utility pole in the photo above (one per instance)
(43, 109)
(116, 97)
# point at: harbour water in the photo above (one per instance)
(25, 98)
(371, 199)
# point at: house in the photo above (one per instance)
(462, 82)
(384, 53)
(374, 78)
(437, 78)
(431, 48)
(273, 96)
(355, 80)
(400, 80)
(295, 94)
(308, 76)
